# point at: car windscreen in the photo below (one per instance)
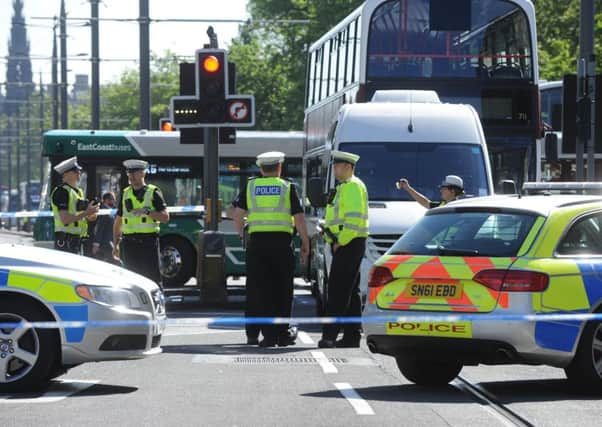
(424, 165)
(480, 233)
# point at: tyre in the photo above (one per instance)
(428, 372)
(178, 261)
(321, 291)
(585, 371)
(28, 356)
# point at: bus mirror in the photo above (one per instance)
(508, 186)
(551, 147)
(315, 192)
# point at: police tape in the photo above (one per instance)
(241, 321)
(42, 214)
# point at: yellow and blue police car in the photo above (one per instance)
(102, 312)
(493, 280)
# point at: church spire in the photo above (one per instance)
(19, 78)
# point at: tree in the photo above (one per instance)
(120, 101)
(558, 36)
(271, 54)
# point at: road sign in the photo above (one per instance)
(240, 110)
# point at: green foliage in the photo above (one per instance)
(270, 55)
(558, 36)
(120, 100)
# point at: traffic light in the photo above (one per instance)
(165, 125)
(211, 85)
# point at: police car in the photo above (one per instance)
(41, 285)
(479, 281)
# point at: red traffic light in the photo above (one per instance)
(211, 64)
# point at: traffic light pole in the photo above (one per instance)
(211, 178)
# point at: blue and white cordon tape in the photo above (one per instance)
(40, 214)
(240, 320)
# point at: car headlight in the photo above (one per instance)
(115, 297)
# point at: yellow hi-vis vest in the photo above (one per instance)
(132, 224)
(347, 216)
(77, 228)
(269, 205)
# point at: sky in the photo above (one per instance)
(118, 40)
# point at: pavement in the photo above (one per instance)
(208, 376)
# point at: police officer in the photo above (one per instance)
(140, 211)
(346, 229)
(273, 211)
(70, 209)
(452, 188)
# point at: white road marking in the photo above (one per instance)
(360, 406)
(324, 363)
(305, 338)
(58, 391)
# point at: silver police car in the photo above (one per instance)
(103, 312)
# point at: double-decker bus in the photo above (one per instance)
(477, 52)
(178, 170)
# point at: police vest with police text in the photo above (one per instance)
(269, 205)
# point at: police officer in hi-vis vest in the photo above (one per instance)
(273, 212)
(70, 209)
(140, 211)
(346, 229)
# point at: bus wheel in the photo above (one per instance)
(178, 261)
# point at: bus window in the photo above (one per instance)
(419, 38)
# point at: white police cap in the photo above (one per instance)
(67, 165)
(453, 181)
(270, 158)
(135, 164)
(344, 156)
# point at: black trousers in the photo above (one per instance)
(269, 287)
(344, 299)
(68, 243)
(140, 254)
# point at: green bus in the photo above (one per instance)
(178, 170)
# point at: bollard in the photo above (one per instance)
(211, 268)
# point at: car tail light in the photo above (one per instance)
(513, 280)
(379, 276)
